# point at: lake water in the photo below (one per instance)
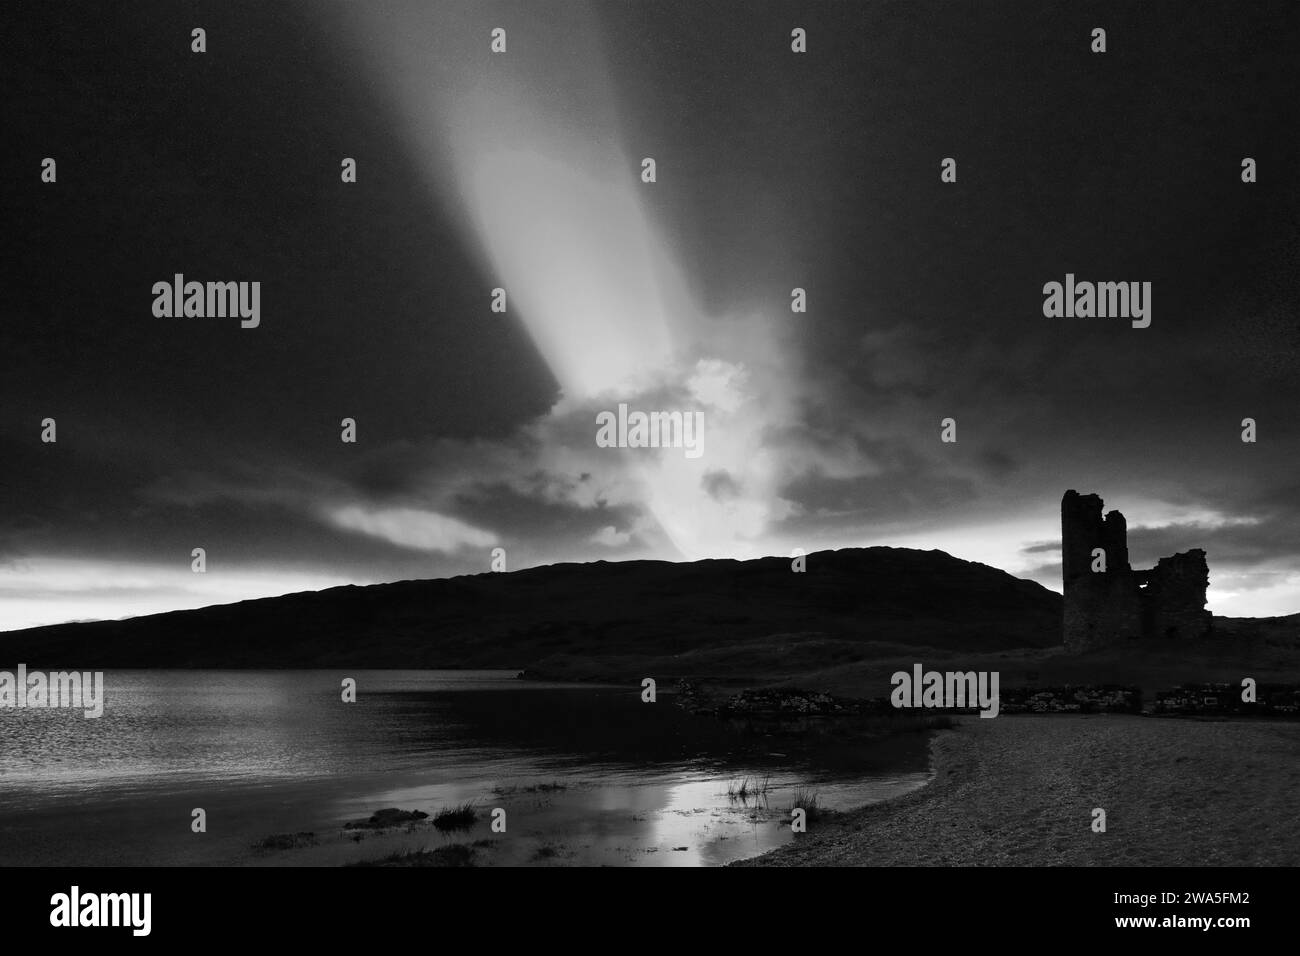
(585, 774)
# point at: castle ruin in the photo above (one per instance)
(1119, 603)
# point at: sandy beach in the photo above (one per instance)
(1021, 791)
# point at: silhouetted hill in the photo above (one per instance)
(611, 613)
(1270, 631)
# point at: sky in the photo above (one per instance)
(522, 170)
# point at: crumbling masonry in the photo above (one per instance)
(1105, 607)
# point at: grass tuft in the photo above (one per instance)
(747, 787)
(455, 818)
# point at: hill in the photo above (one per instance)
(604, 617)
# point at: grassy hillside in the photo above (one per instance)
(733, 617)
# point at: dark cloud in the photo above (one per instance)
(720, 485)
(818, 171)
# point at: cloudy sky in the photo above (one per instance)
(775, 170)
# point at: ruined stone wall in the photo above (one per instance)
(1174, 598)
(1102, 610)
(1120, 603)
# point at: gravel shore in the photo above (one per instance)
(1021, 790)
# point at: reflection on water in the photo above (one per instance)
(664, 819)
(585, 774)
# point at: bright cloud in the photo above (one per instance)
(412, 528)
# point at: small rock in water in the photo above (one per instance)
(389, 817)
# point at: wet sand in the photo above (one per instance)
(1021, 790)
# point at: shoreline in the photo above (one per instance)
(1021, 791)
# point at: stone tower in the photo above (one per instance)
(1101, 607)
